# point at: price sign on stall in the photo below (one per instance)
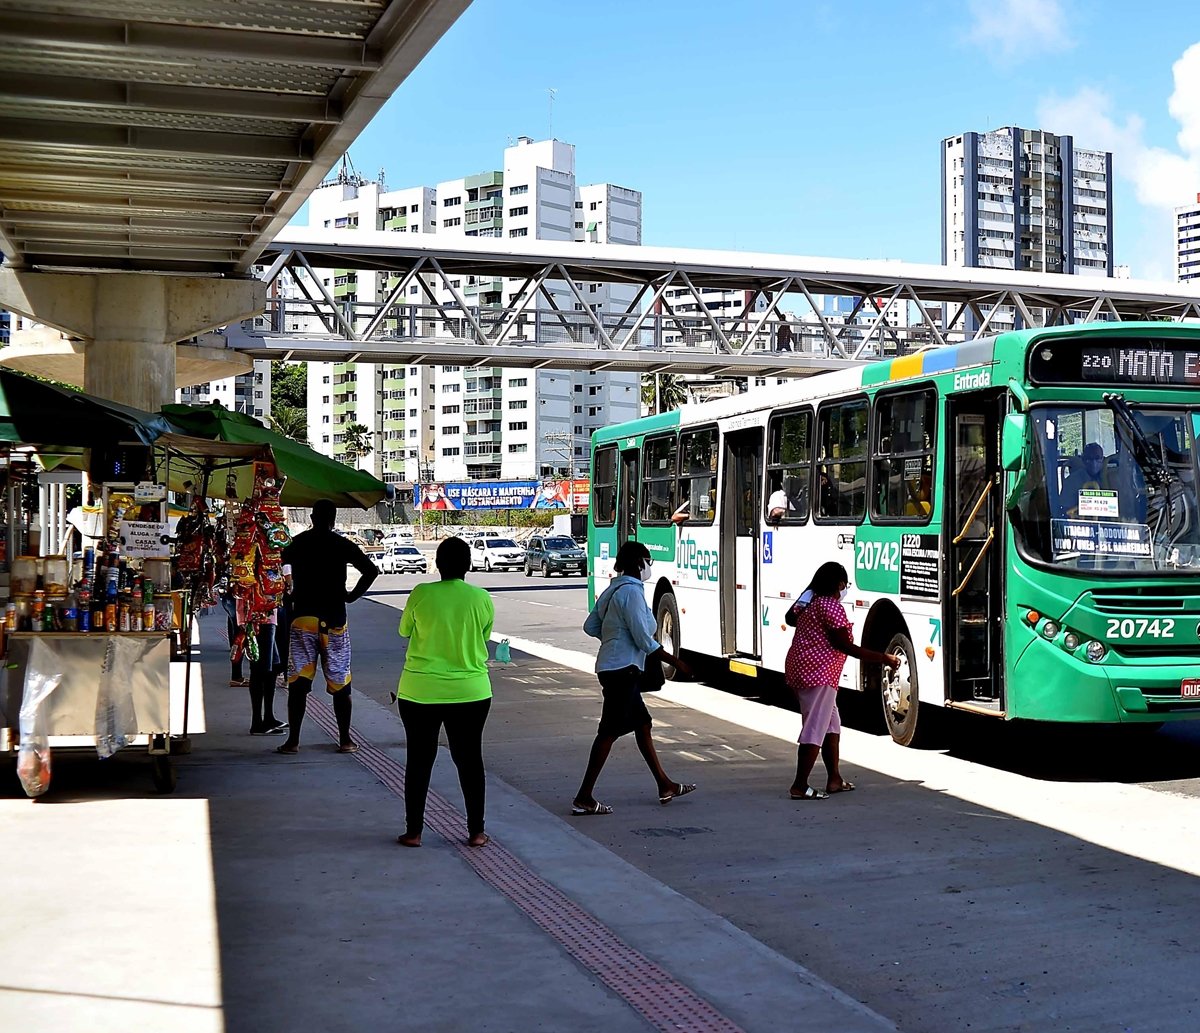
(143, 537)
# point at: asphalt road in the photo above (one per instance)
(1019, 880)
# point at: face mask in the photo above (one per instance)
(644, 572)
(845, 594)
(1094, 466)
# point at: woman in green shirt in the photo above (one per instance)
(445, 681)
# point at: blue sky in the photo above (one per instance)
(807, 127)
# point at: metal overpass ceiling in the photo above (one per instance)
(182, 135)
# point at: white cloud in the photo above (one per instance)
(1015, 29)
(1162, 177)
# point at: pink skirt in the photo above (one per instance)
(818, 709)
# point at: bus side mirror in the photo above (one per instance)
(1014, 441)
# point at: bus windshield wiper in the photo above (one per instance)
(1154, 467)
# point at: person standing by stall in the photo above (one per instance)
(318, 559)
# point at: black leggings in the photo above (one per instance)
(464, 732)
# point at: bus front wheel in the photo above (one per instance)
(901, 700)
(667, 617)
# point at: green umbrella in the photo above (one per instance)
(35, 412)
(310, 475)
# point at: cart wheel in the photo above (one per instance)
(164, 773)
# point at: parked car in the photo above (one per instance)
(404, 559)
(394, 538)
(490, 553)
(554, 554)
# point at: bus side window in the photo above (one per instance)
(902, 469)
(604, 487)
(698, 474)
(789, 467)
(842, 461)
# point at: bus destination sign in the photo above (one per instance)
(1140, 362)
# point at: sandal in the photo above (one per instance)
(679, 789)
(348, 747)
(409, 841)
(591, 808)
(479, 839)
(846, 787)
(285, 748)
(809, 794)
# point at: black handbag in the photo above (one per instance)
(652, 678)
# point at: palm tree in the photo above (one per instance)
(662, 392)
(290, 422)
(358, 443)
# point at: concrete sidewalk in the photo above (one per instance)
(269, 893)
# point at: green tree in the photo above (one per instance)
(289, 385)
(290, 421)
(671, 391)
(358, 443)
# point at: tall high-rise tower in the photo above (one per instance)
(1187, 241)
(1026, 199)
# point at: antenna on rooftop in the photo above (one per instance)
(552, 91)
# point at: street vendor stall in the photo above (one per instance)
(89, 636)
(76, 675)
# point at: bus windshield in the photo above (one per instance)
(1111, 487)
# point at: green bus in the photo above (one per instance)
(1018, 515)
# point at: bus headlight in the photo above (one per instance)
(1071, 641)
(1095, 651)
(1049, 629)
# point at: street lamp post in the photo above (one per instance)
(563, 438)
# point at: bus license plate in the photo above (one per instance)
(1189, 688)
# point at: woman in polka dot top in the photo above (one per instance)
(822, 641)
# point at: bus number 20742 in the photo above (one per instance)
(877, 555)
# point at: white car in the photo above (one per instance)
(404, 559)
(496, 554)
(394, 538)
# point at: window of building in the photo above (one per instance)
(593, 206)
(518, 382)
(522, 210)
(698, 474)
(578, 429)
(519, 232)
(325, 379)
(604, 487)
(518, 403)
(522, 189)
(452, 429)
(324, 419)
(789, 464)
(450, 389)
(325, 399)
(592, 389)
(519, 425)
(842, 462)
(450, 202)
(518, 448)
(447, 410)
(451, 451)
(902, 485)
(578, 409)
(452, 222)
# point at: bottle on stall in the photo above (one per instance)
(110, 602)
(123, 611)
(98, 614)
(69, 614)
(10, 618)
(84, 603)
(148, 605)
(135, 605)
(37, 615)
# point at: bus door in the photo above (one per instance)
(974, 541)
(627, 497)
(741, 494)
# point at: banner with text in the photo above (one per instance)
(442, 495)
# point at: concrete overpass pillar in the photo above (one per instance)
(127, 326)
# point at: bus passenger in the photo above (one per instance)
(813, 668)
(1094, 474)
(919, 491)
(622, 620)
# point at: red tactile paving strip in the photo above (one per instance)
(666, 1004)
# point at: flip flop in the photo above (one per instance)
(484, 840)
(809, 794)
(349, 747)
(680, 789)
(591, 808)
(847, 787)
(287, 749)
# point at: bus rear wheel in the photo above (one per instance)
(899, 691)
(667, 617)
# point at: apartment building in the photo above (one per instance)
(1187, 241)
(447, 422)
(1026, 199)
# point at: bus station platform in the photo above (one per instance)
(268, 891)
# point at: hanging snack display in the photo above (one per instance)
(196, 561)
(256, 559)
